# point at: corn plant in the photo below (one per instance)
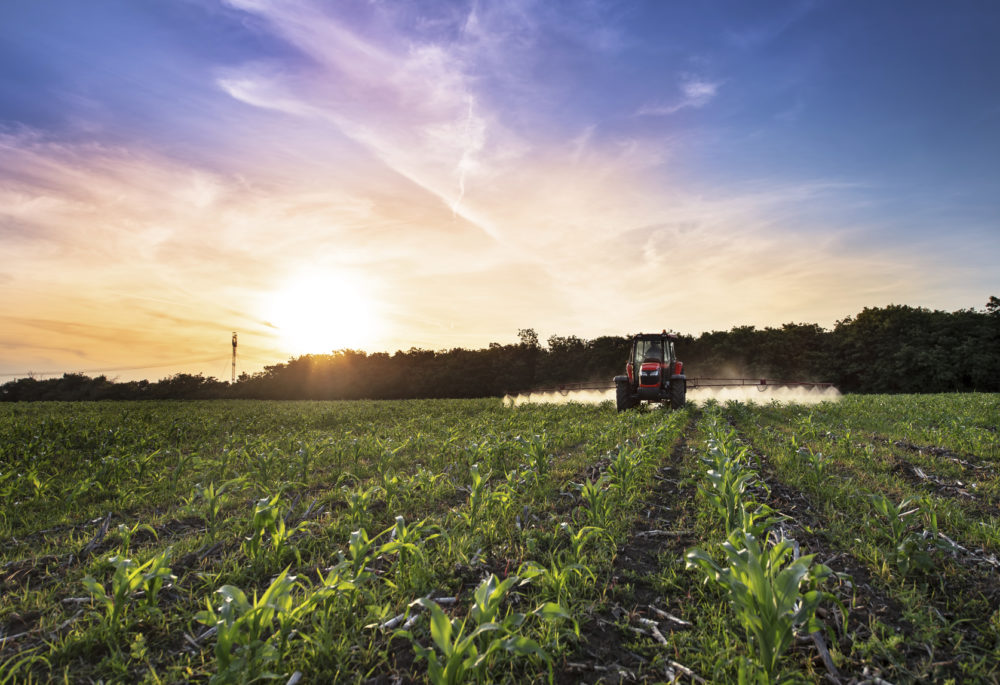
(477, 497)
(392, 485)
(128, 579)
(38, 483)
(624, 471)
(461, 646)
(211, 500)
(126, 534)
(728, 483)
(764, 586)
(579, 538)
(269, 534)
(8, 485)
(539, 461)
(598, 506)
(361, 551)
(558, 576)
(359, 501)
(817, 461)
(246, 631)
(306, 454)
(901, 524)
(407, 542)
(806, 427)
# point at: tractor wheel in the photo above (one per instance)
(622, 397)
(678, 394)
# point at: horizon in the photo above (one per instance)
(543, 343)
(439, 175)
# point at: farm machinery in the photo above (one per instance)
(654, 374)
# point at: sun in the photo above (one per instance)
(321, 312)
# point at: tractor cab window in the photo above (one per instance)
(648, 349)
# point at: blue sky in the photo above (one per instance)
(384, 175)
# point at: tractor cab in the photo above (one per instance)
(652, 373)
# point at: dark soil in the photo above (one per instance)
(603, 655)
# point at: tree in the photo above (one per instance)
(993, 306)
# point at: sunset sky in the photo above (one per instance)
(385, 175)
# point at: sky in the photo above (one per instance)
(383, 175)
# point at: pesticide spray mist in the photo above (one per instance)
(581, 396)
(698, 396)
(753, 395)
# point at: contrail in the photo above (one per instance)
(466, 162)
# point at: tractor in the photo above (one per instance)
(652, 373)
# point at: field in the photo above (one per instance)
(451, 541)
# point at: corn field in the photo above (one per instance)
(451, 541)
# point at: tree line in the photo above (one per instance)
(893, 349)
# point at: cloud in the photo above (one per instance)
(774, 24)
(696, 92)
(408, 103)
(170, 251)
(135, 259)
(428, 167)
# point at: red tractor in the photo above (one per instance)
(652, 373)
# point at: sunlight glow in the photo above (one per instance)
(321, 312)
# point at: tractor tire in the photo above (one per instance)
(678, 394)
(623, 399)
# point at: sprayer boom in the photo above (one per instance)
(761, 384)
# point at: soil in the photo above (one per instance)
(602, 654)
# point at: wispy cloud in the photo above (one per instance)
(408, 103)
(695, 91)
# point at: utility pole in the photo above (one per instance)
(234, 357)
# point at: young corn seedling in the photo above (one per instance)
(359, 501)
(38, 484)
(901, 524)
(407, 541)
(361, 552)
(556, 579)
(597, 501)
(477, 496)
(126, 534)
(465, 646)
(211, 499)
(765, 589)
(352, 575)
(817, 461)
(725, 491)
(246, 633)
(538, 457)
(624, 471)
(392, 486)
(500, 499)
(306, 454)
(270, 534)
(579, 538)
(128, 579)
(806, 427)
